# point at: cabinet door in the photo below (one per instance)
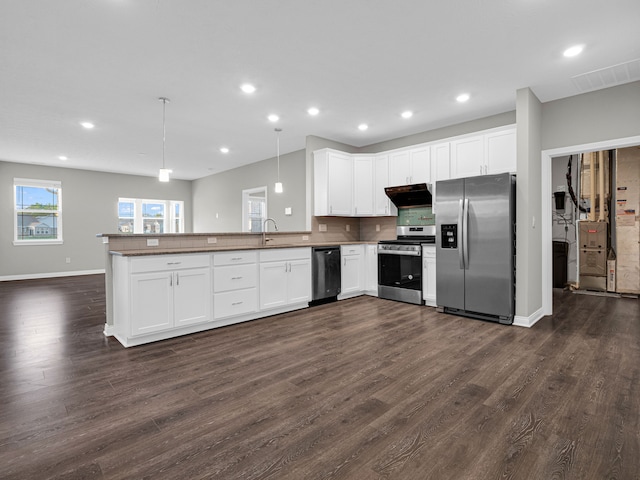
(340, 184)
(151, 302)
(382, 204)
(501, 152)
(467, 157)
(363, 186)
(351, 274)
(399, 168)
(299, 281)
(420, 166)
(273, 286)
(192, 296)
(440, 162)
(429, 276)
(371, 260)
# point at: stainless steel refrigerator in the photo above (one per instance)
(475, 247)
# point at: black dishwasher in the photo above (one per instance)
(325, 266)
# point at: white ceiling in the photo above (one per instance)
(108, 61)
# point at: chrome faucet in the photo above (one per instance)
(264, 230)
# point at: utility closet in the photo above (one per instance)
(597, 207)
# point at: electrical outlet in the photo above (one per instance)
(305, 238)
(68, 259)
(153, 242)
(322, 227)
(287, 210)
(377, 227)
(348, 227)
(212, 240)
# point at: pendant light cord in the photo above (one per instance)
(278, 130)
(164, 128)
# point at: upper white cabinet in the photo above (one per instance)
(467, 157)
(410, 166)
(382, 204)
(333, 183)
(440, 162)
(487, 153)
(500, 154)
(363, 185)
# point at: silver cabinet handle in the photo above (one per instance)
(236, 278)
(235, 259)
(174, 263)
(236, 303)
(171, 280)
(480, 169)
(177, 279)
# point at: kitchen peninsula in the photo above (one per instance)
(161, 286)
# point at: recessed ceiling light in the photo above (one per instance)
(273, 117)
(62, 157)
(313, 111)
(573, 51)
(87, 125)
(407, 114)
(247, 88)
(463, 97)
(362, 127)
(224, 149)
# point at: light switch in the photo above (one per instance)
(287, 210)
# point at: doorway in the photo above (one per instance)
(254, 209)
(548, 198)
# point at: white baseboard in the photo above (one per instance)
(109, 330)
(32, 276)
(529, 321)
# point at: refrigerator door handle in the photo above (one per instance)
(465, 233)
(460, 228)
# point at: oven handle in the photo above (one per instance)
(399, 252)
(465, 233)
(461, 230)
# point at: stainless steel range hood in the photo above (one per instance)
(416, 195)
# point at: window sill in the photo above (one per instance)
(37, 242)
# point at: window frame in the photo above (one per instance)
(169, 219)
(37, 183)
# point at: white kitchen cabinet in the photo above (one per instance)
(363, 183)
(160, 293)
(429, 275)
(285, 277)
(382, 204)
(410, 166)
(333, 183)
(440, 167)
(352, 270)
(371, 267)
(500, 155)
(487, 153)
(467, 157)
(235, 283)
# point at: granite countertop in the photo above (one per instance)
(211, 249)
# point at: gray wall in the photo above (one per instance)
(217, 199)
(592, 117)
(508, 118)
(89, 206)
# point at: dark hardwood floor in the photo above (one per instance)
(360, 389)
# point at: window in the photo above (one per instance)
(137, 215)
(254, 209)
(38, 212)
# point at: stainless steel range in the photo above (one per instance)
(400, 263)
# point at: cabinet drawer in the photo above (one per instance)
(234, 277)
(285, 254)
(156, 263)
(429, 252)
(351, 250)
(229, 304)
(235, 258)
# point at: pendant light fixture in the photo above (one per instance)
(278, 186)
(163, 176)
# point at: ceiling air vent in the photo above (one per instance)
(608, 77)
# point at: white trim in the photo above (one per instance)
(547, 236)
(33, 276)
(109, 330)
(529, 321)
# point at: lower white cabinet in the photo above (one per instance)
(352, 270)
(285, 277)
(429, 275)
(371, 267)
(160, 293)
(235, 283)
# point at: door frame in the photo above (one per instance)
(547, 194)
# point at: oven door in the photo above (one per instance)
(400, 277)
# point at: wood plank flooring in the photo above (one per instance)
(360, 389)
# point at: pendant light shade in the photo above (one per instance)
(163, 175)
(278, 185)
